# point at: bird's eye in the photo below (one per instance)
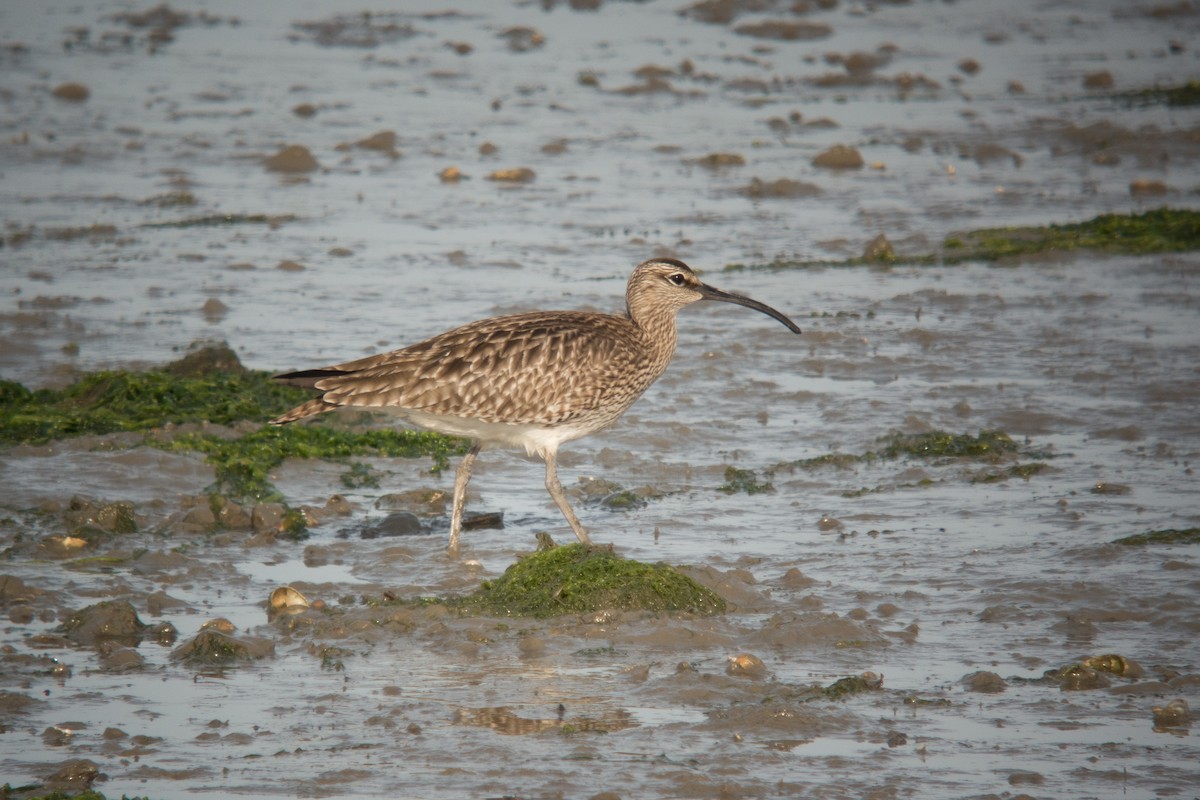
(678, 279)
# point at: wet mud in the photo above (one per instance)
(953, 525)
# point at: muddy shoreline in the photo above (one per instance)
(953, 522)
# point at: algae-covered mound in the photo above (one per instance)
(576, 578)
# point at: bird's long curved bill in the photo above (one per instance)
(711, 293)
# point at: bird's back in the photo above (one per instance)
(543, 368)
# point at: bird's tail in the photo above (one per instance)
(315, 406)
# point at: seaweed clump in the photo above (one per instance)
(1162, 230)
(576, 578)
(207, 386)
(1168, 536)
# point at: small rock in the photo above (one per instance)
(1147, 188)
(76, 774)
(522, 39)
(1025, 777)
(450, 175)
(213, 309)
(515, 175)
(745, 665)
(305, 110)
(398, 523)
(214, 648)
(72, 92)
(839, 156)
(879, 251)
(1101, 81)
(294, 158)
(118, 658)
(781, 188)
(1174, 714)
(110, 619)
(290, 266)
(984, 682)
(266, 517)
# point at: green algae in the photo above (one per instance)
(851, 685)
(222, 220)
(1162, 230)
(744, 480)
(8, 791)
(1183, 95)
(114, 401)
(243, 465)
(208, 386)
(987, 445)
(1167, 536)
(576, 578)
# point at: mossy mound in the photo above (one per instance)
(1169, 536)
(1162, 230)
(208, 385)
(118, 400)
(576, 579)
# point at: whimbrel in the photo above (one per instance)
(532, 380)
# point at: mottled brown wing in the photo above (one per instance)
(542, 368)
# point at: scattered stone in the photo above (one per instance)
(383, 142)
(745, 665)
(397, 523)
(72, 92)
(294, 158)
(515, 175)
(110, 619)
(115, 657)
(897, 739)
(76, 774)
(114, 518)
(213, 309)
(879, 251)
(483, 520)
(1174, 714)
(522, 39)
(1078, 678)
(1144, 187)
(290, 266)
(839, 156)
(215, 648)
(984, 682)
(969, 66)
(782, 188)
(1025, 777)
(267, 517)
(1101, 81)
(305, 110)
(451, 175)
(204, 358)
(784, 31)
(719, 161)
(1115, 665)
(989, 151)
(795, 579)
(1111, 489)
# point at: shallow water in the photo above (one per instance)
(1091, 363)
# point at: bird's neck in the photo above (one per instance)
(658, 328)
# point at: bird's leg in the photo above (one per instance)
(462, 476)
(556, 491)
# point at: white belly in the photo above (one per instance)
(534, 439)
